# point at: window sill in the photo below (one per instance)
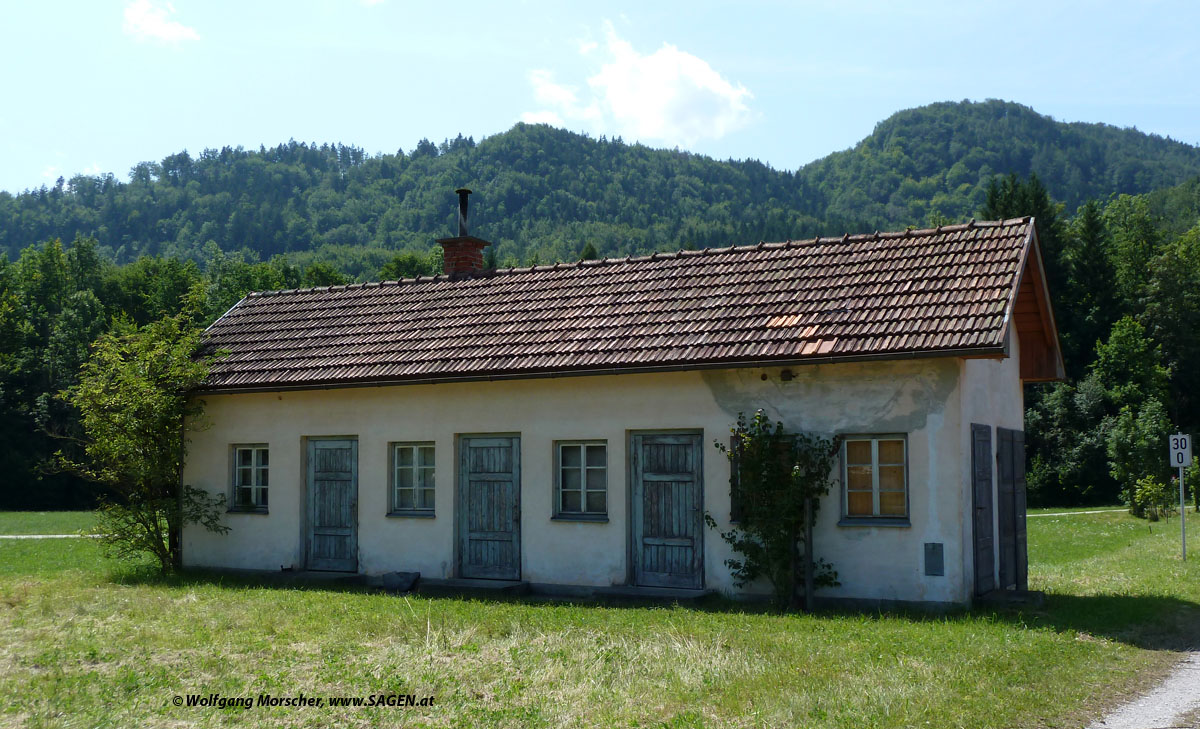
(593, 518)
(264, 512)
(410, 514)
(874, 521)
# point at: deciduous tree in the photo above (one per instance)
(136, 409)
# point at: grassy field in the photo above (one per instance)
(45, 522)
(86, 643)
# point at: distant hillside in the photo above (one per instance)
(940, 157)
(538, 190)
(544, 193)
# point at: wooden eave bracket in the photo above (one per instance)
(1041, 357)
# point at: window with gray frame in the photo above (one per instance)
(412, 478)
(251, 472)
(875, 476)
(581, 479)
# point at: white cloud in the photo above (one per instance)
(51, 172)
(93, 170)
(562, 101)
(150, 20)
(543, 117)
(667, 96)
(546, 91)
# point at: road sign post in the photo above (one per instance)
(1181, 458)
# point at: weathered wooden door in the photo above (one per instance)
(984, 530)
(489, 487)
(668, 509)
(333, 505)
(1010, 489)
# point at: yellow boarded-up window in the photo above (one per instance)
(875, 476)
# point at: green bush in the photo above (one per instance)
(1153, 498)
(780, 478)
(1135, 439)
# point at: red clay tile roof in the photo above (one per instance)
(912, 293)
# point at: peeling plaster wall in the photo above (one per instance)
(921, 398)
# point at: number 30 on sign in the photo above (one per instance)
(1181, 450)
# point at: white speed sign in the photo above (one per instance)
(1181, 450)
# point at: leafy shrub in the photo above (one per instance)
(1153, 498)
(779, 478)
(1135, 449)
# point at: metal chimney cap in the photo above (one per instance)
(461, 190)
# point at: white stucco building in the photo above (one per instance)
(556, 425)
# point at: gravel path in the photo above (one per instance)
(1173, 703)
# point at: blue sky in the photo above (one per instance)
(98, 86)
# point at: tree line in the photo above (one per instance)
(56, 301)
(1125, 285)
(1124, 276)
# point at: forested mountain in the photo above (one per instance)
(539, 191)
(544, 193)
(937, 159)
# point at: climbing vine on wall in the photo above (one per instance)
(778, 480)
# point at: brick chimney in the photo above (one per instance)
(463, 254)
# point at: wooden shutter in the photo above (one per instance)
(1014, 546)
(984, 530)
(1022, 543)
(738, 500)
(1005, 507)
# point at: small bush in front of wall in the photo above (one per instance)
(1153, 498)
(778, 479)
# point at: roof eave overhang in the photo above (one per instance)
(1031, 253)
(998, 351)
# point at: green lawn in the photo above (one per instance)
(86, 643)
(45, 522)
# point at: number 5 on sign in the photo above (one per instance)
(1181, 450)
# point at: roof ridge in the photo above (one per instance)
(346, 287)
(660, 256)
